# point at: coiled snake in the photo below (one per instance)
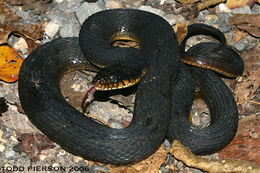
(163, 98)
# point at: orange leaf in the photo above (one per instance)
(10, 63)
(181, 31)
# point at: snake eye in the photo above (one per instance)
(113, 79)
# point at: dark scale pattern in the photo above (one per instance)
(43, 103)
(164, 94)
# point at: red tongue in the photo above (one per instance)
(90, 91)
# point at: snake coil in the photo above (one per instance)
(162, 94)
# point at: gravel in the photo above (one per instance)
(63, 19)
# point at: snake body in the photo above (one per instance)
(156, 102)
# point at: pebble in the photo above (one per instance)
(223, 17)
(62, 152)
(9, 154)
(69, 25)
(51, 29)
(2, 148)
(223, 8)
(21, 45)
(171, 19)
(85, 10)
(180, 165)
(240, 46)
(115, 123)
(256, 9)
(114, 4)
(223, 21)
(68, 6)
(58, 1)
(224, 28)
(211, 18)
(242, 10)
(78, 159)
(69, 30)
(43, 156)
(152, 10)
(55, 165)
(14, 139)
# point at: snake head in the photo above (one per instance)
(118, 76)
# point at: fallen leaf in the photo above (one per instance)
(244, 92)
(3, 106)
(247, 22)
(246, 89)
(210, 165)
(246, 144)
(240, 35)
(9, 25)
(10, 63)
(232, 4)
(151, 164)
(34, 143)
(19, 2)
(188, 1)
(7, 16)
(191, 8)
(181, 31)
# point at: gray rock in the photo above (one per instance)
(242, 10)
(85, 10)
(152, 10)
(223, 21)
(51, 29)
(202, 14)
(180, 165)
(171, 19)
(9, 154)
(69, 30)
(256, 9)
(69, 25)
(224, 28)
(240, 46)
(68, 6)
(223, 17)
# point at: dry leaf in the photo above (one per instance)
(251, 59)
(150, 165)
(207, 3)
(245, 91)
(232, 4)
(247, 22)
(239, 35)
(188, 1)
(211, 165)
(246, 144)
(181, 31)
(34, 143)
(7, 16)
(9, 26)
(10, 63)
(19, 2)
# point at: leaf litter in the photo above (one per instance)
(246, 93)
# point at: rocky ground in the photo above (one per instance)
(24, 149)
